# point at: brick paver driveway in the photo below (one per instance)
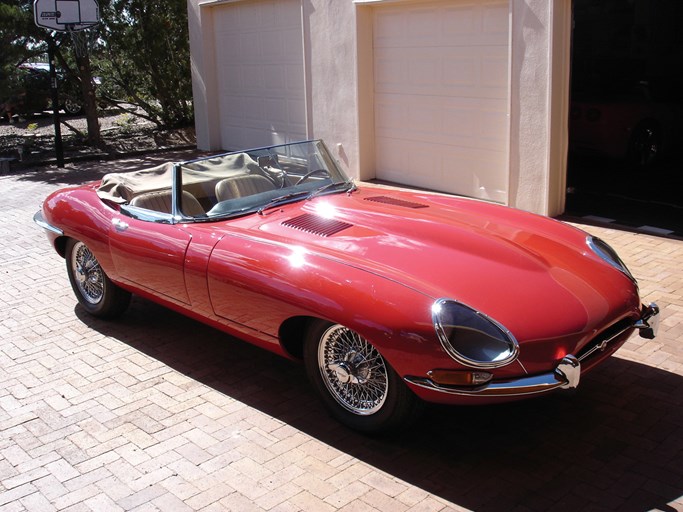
(157, 412)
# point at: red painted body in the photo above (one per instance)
(250, 275)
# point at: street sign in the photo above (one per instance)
(66, 15)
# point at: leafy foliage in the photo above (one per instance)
(140, 51)
(20, 40)
(145, 56)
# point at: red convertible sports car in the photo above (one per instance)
(390, 297)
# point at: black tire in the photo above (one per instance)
(356, 384)
(93, 288)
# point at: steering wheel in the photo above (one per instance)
(313, 173)
(278, 177)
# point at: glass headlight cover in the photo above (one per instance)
(472, 338)
(608, 255)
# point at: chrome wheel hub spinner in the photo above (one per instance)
(352, 370)
(88, 274)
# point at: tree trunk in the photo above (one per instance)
(90, 102)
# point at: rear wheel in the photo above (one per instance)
(356, 383)
(94, 290)
(72, 106)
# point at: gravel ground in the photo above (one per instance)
(32, 139)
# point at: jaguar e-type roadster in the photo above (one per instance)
(389, 297)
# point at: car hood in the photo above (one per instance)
(526, 271)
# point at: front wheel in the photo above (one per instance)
(93, 288)
(355, 382)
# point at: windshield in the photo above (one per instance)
(257, 179)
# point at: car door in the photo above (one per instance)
(151, 255)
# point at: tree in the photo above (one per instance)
(18, 39)
(140, 50)
(22, 41)
(146, 56)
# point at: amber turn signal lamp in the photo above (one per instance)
(459, 378)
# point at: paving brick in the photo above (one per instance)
(129, 415)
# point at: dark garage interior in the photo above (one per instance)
(625, 163)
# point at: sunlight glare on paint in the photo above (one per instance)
(325, 210)
(297, 258)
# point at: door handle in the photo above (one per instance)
(119, 225)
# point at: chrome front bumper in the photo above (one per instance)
(565, 376)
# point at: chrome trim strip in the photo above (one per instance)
(40, 220)
(613, 259)
(565, 376)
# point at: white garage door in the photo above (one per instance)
(260, 73)
(441, 96)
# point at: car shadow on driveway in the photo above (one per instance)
(617, 443)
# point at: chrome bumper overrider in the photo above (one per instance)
(565, 376)
(40, 220)
(648, 325)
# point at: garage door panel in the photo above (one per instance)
(295, 80)
(458, 23)
(496, 22)
(468, 72)
(441, 96)
(466, 122)
(261, 72)
(431, 163)
(275, 79)
(494, 74)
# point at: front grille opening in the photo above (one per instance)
(610, 335)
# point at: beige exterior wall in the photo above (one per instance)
(337, 43)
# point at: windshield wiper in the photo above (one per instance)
(348, 186)
(282, 200)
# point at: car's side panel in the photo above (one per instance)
(150, 255)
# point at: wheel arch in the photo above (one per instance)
(292, 334)
(60, 245)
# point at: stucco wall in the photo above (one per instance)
(331, 76)
(337, 37)
(539, 84)
(331, 55)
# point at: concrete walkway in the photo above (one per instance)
(157, 412)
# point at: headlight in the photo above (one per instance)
(608, 255)
(472, 338)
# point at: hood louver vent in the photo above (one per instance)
(316, 225)
(395, 202)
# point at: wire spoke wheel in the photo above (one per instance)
(353, 371)
(88, 274)
(93, 288)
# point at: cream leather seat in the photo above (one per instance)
(162, 201)
(242, 185)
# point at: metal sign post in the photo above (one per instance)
(63, 16)
(54, 88)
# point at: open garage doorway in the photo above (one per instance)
(626, 115)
